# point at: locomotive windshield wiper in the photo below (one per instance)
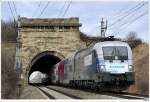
(122, 58)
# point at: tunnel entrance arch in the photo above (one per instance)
(44, 61)
(38, 35)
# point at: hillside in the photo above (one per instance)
(141, 65)
(8, 74)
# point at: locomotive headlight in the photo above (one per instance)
(102, 68)
(131, 69)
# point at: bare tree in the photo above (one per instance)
(8, 31)
(133, 39)
(131, 36)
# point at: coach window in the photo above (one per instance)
(66, 69)
(70, 68)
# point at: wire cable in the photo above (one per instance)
(134, 10)
(39, 4)
(13, 16)
(128, 19)
(15, 8)
(119, 13)
(132, 21)
(37, 8)
(66, 9)
(44, 9)
(11, 9)
(120, 19)
(62, 9)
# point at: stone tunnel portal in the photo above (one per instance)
(43, 62)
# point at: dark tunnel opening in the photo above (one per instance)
(43, 64)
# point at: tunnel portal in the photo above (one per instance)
(36, 35)
(43, 63)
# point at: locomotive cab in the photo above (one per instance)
(114, 65)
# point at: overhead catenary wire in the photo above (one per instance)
(133, 20)
(11, 10)
(131, 11)
(44, 9)
(119, 12)
(66, 9)
(62, 9)
(15, 8)
(132, 14)
(12, 15)
(39, 4)
(136, 18)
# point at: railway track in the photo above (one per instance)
(122, 95)
(75, 93)
(125, 95)
(46, 94)
(51, 93)
(79, 94)
(65, 93)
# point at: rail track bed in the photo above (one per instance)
(62, 92)
(76, 93)
(51, 93)
(124, 95)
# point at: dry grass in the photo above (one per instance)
(8, 75)
(141, 64)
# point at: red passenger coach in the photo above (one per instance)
(60, 72)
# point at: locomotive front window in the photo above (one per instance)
(111, 52)
(122, 52)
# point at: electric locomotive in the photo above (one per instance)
(106, 65)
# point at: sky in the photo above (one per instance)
(124, 16)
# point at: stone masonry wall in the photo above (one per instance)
(35, 42)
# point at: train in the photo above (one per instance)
(106, 65)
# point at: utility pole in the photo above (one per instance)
(103, 28)
(19, 42)
(18, 62)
